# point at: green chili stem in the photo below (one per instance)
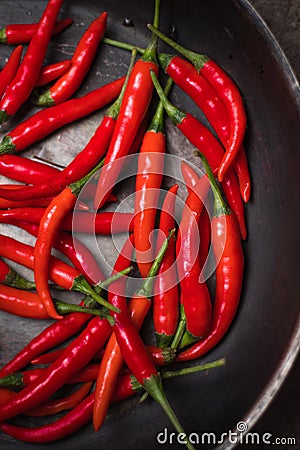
(197, 59)
(146, 289)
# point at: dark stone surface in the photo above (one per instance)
(282, 418)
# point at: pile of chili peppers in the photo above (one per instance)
(94, 350)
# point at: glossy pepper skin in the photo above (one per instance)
(10, 69)
(194, 297)
(23, 83)
(227, 91)
(25, 170)
(81, 62)
(51, 336)
(76, 356)
(84, 161)
(21, 33)
(52, 72)
(46, 121)
(134, 108)
(191, 81)
(228, 252)
(112, 360)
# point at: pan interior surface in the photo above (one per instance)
(263, 340)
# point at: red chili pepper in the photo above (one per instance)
(21, 33)
(25, 170)
(204, 140)
(139, 306)
(12, 278)
(76, 356)
(191, 179)
(19, 380)
(79, 255)
(74, 420)
(28, 304)
(227, 91)
(147, 187)
(228, 252)
(205, 96)
(112, 359)
(84, 161)
(48, 229)
(45, 122)
(52, 72)
(166, 295)
(55, 406)
(81, 61)
(60, 273)
(139, 360)
(5, 394)
(135, 104)
(71, 422)
(196, 307)
(23, 83)
(53, 335)
(10, 69)
(106, 223)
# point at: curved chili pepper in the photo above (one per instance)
(76, 356)
(12, 278)
(85, 160)
(21, 33)
(139, 360)
(53, 335)
(139, 306)
(10, 69)
(74, 420)
(55, 406)
(81, 61)
(205, 96)
(204, 140)
(165, 298)
(71, 422)
(28, 304)
(19, 380)
(48, 229)
(147, 185)
(5, 394)
(191, 179)
(79, 255)
(25, 170)
(83, 222)
(23, 83)
(135, 104)
(195, 299)
(46, 121)
(227, 91)
(112, 359)
(228, 251)
(52, 72)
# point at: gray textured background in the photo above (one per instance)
(283, 416)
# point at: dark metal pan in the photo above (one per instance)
(263, 341)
